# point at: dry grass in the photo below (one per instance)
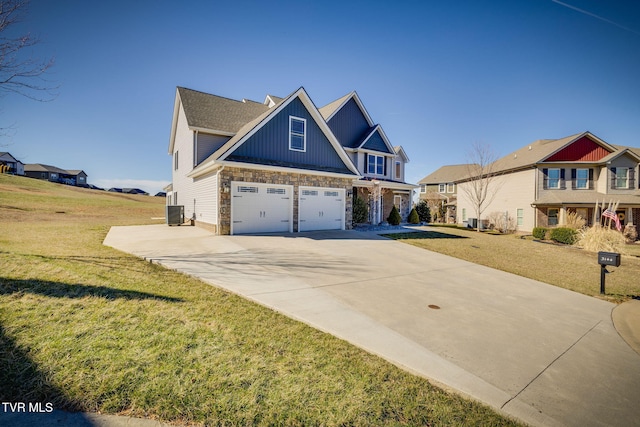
(559, 265)
(86, 327)
(596, 239)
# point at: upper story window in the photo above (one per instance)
(582, 178)
(375, 164)
(622, 177)
(175, 161)
(423, 188)
(297, 134)
(553, 178)
(451, 188)
(442, 188)
(398, 170)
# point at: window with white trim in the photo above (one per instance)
(375, 164)
(451, 188)
(442, 188)
(464, 214)
(622, 177)
(553, 178)
(423, 188)
(520, 216)
(582, 178)
(175, 161)
(297, 134)
(398, 170)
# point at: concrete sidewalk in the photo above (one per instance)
(539, 353)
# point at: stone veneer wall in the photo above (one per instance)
(274, 177)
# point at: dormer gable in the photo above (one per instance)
(348, 119)
(376, 140)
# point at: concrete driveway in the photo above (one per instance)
(539, 353)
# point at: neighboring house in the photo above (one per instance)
(539, 184)
(440, 185)
(380, 164)
(55, 174)
(277, 166)
(11, 164)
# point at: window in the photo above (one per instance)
(553, 178)
(552, 217)
(397, 200)
(297, 134)
(375, 164)
(520, 216)
(622, 178)
(398, 170)
(582, 178)
(423, 188)
(175, 161)
(451, 188)
(441, 188)
(464, 214)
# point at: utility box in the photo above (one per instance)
(175, 215)
(609, 258)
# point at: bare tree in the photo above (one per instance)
(19, 72)
(482, 182)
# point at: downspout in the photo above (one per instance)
(218, 219)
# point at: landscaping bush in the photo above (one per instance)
(394, 217)
(424, 213)
(565, 235)
(413, 217)
(597, 238)
(630, 233)
(360, 211)
(539, 233)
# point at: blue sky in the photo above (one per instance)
(438, 76)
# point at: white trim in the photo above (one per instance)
(304, 133)
(233, 184)
(392, 151)
(376, 156)
(356, 98)
(341, 194)
(211, 131)
(255, 166)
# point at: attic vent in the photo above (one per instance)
(309, 192)
(529, 148)
(244, 189)
(515, 156)
(276, 191)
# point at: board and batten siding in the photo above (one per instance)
(514, 191)
(349, 124)
(376, 143)
(271, 143)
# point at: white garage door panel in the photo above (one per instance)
(261, 208)
(321, 208)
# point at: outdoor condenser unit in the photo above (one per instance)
(175, 215)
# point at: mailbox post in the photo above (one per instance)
(604, 259)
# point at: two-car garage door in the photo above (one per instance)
(268, 208)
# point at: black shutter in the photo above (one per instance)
(573, 178)
(563, 184)
(590, 179)
(366, 162)
(613, 178)
(632, 181)
(545, 183)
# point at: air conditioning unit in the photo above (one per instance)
(175, 215)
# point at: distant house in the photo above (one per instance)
(128, 191)
(282, 165)
(56, 174)
(440, 185)
(544, 181)
(9, 164)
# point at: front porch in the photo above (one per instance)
(556, 215)
(381, 196)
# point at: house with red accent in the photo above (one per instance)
(539, 184)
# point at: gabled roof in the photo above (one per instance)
(251, 127)
(400, 152)
(446, 174)
(377, 129)
(8, 155)
(39, 167)
(330, 109)
(271, 100)
(75, 172)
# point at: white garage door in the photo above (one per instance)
(321, 208)
(261, 208)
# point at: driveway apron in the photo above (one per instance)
(542, 354)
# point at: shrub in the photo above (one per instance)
(630, 233)
(360, 211)
(564, 235)
(597, 238)
(539, 233)
(413, 217)
(575, 221)
(394, 217)
(424, 213)
(501, 222)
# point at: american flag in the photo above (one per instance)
(608, 213)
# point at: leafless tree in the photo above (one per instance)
(483, 180)
(19, 72)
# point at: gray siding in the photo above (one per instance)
(270, 144)
(349, 125)
(206, 145)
